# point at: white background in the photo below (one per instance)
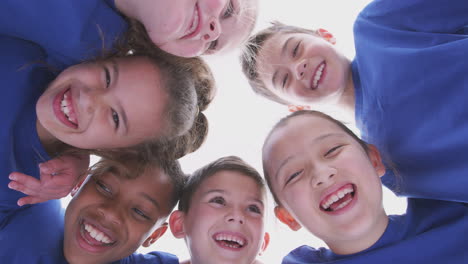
(240, 120)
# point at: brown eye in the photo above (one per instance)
(108, 78)
(332, 150)
(140, 213)
(255, 209)
(293, 176)
(218, 200)
(102, 187)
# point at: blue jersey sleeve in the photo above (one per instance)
(154, 257)
(70, 31)
(410, 81)
(436, 16)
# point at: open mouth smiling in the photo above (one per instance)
(339, 199)
(64, 110)
(195, 25)
(318, 75)
(94, 239)
(230, 241)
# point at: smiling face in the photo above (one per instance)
(110, 104)
(225, 221)
(303, 68)
(327, 182)
(190, 28)
(111, 216)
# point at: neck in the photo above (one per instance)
(347, 98)
(361, 242)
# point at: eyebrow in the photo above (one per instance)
(283, 50)
(223, 191)
(153, 201)
(115, 71)
(213, 191)
(320, 138)
(259, 201)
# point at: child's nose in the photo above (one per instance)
(90, 99)
(213, 30)
(322, 176)
(301, 69)
(235, 216)
(110, 213)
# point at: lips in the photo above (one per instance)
(338, 199)
(232, 241)
(195, 25)
(93, 237)
(318, 76)
(64, 110)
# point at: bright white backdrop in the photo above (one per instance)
(240, 120)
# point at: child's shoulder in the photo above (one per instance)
(307, 254)
(154, 257)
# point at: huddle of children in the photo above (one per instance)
(139, 107)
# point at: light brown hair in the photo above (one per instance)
(250, 53)
(229, 163)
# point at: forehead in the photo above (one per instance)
(237, 29)
(130, 62)
(297, 131)
(232, 182)
(271, 57)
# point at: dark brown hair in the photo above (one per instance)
(229, 163)
(191, 88)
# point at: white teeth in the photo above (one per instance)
(230, 238)
(194, 23)
(335, 197)
(343, 204)
(66, 109)
(318, 75)
(96, 234)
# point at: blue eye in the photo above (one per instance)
(229, 11)
(116, 119)
(293, 176)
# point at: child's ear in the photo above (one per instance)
(266, 242)
(376, 160)
(155, 235)
(323, 33)
(286, 218)
(176, 223)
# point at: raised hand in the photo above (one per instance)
(57, 178)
